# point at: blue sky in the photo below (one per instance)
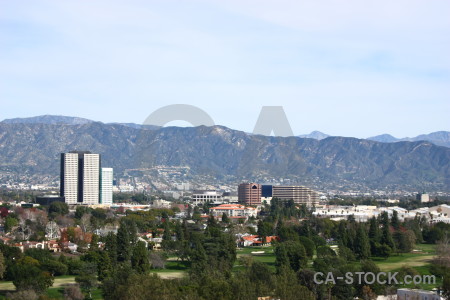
(351, 68)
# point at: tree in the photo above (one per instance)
(290, 253)
(9, 223)
(260, 275)
(23, 295)
(374, 230)
(111, 247)
(58, 208)
(405, 240)
(140, 258)
(361, 244)
(85, 222)
(104, 266)
(81, 210)
(124, 242)
(384, 250)
(446, 286)
(54, 267)
(225, 218)
(2, 265)
(386, 236)
(157, 261)
(368, 294)
(264, 229)
(94, 242)
(87, 278)
(287, 287)
(26, 275)
(73, 292)
(395, 222)
(309, 246)
(52, 230)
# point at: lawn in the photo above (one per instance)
(56, 291)
(413, 259)
(268, 257)
(59, 281)
(173, 269)
(419, 260)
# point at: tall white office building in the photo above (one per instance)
(106, 186)
(80, 177)
(91, 178)
(69, 177)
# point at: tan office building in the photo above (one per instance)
(299, 194)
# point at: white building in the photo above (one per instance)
(423, 197)
(234, 210)
(69, 177)
(106, 190)
(91, 178)
(160, 203)
(412, 294)
(201, 197)
(80, 177)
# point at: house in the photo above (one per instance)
(255, 240)
(53, 246)
(29, 245)
(233, 210)
(156, 243)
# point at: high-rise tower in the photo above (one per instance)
(80, 177)
(106, 186)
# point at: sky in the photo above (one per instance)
(349, 68)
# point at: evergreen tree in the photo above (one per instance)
(292, 252)
(343, 234)
(287, 287)
(362, 246)
(395, 222)
(111, 247)
(140, 260)
(374, 230)
(124, 247)
(104, 267)
(94, 242)
(309, 246)
(225, 218)
(386, 238)
(2, 265)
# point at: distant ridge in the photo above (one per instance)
(440, 138)
(383, 138)
(49, 119)
(315, 135)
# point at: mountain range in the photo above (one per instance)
(34, 148)
(440, 138)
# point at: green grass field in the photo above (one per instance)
(59, 282)
(414, 259)
(55, 292)
(418, 260)
(173, 269)
(268, 257)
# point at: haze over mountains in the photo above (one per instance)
(34, 148)
(440, 138)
